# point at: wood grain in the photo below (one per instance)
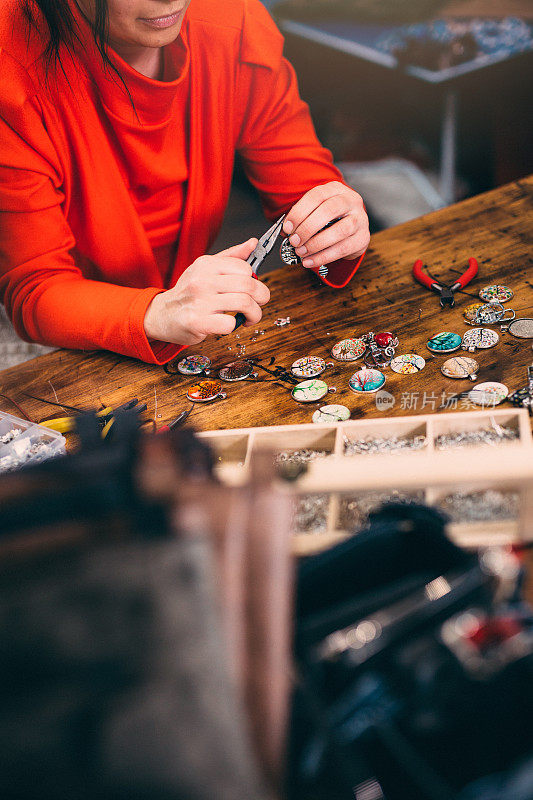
(495, 227)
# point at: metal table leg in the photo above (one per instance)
(448, 148)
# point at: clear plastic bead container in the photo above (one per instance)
(23, 442)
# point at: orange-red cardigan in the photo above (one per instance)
(77, 265)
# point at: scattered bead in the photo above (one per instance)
(302, 456)
(311, 513)
(493, 436)
(291, 463)
(355, 509)
(483, 506)
(25, 451)
(378, 444)
(10, 435)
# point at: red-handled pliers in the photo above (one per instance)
(445, 291)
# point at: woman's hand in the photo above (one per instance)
(347, 238)
(198, 305)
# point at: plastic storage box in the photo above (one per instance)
(23, 442)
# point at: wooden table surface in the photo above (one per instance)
(496, 227)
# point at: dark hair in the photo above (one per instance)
(63, 30)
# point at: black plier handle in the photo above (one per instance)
(445, 292)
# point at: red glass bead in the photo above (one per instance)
(384, 338)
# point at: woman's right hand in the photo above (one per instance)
(206, 296)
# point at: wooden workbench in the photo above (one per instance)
(496, 227)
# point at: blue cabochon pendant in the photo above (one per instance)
(444, 342)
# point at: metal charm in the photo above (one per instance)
(470, 313)
(489, 393)
(522, 328)
(348, 349)
(479, 339)
(460, 367)
(444, 342)
(309, 391)
(335, 413)
(381, 348)
(496, 292)
(492, 313)
(308, 367)
(236, 371)
(367, 380)
(206, 391)
(288, 253)
(194, 365)
(407, 364)
(386, 339)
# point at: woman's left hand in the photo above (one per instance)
(347, 238)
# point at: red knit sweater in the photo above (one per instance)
(103, 206)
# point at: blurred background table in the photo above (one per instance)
(496, 227)
(461, 101)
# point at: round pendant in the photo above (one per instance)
(194, 365)
(470, 313)
(407, 364)
(444, 342)
(308, 367)
(386, 338)
(489, 393)
(522, 328)
(205, 391)
(480, 339)
(288, 253)
(333, 413)
(348, 349)
(496, 292)
(460, 367)
(494, 312)
(367, 380)
(309, 391)
(236, 371)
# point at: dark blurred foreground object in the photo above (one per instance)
(416, 669)
(378, 11)
(138, 609)
(145, 641)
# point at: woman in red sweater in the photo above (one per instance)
(119, 123)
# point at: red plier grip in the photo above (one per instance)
(421, 276)
(425, 280)
(470, 273)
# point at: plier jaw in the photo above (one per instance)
(446, 295)
(265, 244)
(258, 255)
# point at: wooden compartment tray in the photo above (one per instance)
(428, 474)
